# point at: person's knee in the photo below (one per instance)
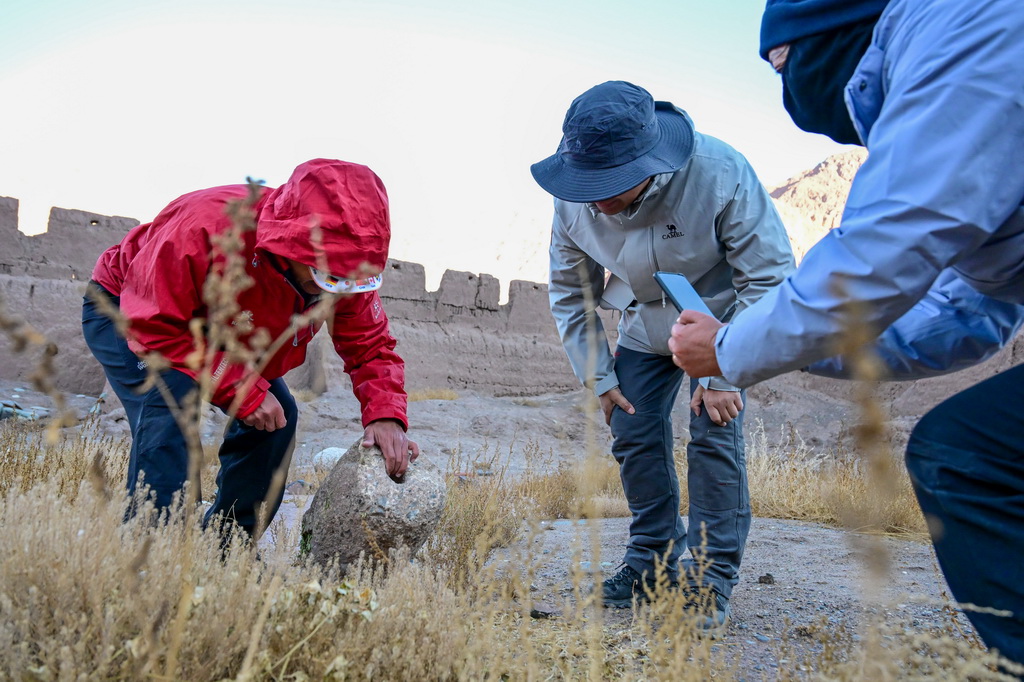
(639, 427)
(643, 448)
(937, 436)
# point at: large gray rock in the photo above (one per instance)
(360, 509)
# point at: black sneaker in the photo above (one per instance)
(620, 590)
(711, 609)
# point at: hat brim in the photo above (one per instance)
(583, 185)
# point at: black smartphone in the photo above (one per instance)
(681, 292)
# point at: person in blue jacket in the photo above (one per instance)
(931, 242)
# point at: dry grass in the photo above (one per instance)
(84, 595)
(304, 395)
(432, 394)
(787, 481)
(482, 513)
(590, 488)
(28, 458)
(791, 482)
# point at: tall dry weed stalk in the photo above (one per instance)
(870, 434)
(934, 652)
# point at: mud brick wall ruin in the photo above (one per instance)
(457, 337)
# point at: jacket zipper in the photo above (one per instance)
(654, 259)
(295, 338)
(301, 311)
(298, 309)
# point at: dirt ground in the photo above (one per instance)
(798, 581)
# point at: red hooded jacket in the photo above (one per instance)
(159, 270)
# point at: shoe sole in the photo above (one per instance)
(622, 603)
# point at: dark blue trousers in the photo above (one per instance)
(159, 455)
(966, 461)
(716, 479)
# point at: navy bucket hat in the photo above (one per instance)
(614, 137)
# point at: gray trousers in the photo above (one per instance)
(717, 477)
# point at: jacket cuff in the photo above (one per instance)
(606, 384)
(253, 399)
(372, 415)
(720, 384)
(725, 362)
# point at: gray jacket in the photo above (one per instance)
(712, 221)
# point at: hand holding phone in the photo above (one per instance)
(684, 297)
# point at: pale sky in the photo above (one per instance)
(119, 106)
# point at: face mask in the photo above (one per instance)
(815, 75)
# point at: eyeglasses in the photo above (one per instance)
(339, 285)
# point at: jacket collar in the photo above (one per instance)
(657, 183)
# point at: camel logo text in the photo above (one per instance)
(673, 232)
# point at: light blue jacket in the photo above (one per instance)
(932, 237)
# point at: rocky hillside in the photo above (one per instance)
(811, 203)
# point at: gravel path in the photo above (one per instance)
(797, 580)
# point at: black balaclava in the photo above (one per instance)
(815, 75)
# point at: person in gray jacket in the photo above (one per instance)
(638, 190)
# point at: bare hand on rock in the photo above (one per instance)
(394, 444)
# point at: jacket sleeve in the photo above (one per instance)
(951, 328)
(757, 246)
(574, 291)
(943, 175)
(162, 293)
(365, 344)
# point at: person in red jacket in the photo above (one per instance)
(325, 232)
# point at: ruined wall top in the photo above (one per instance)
(74, 240)
(67, 250)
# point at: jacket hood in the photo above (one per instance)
(786, 21)
(345, 202)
